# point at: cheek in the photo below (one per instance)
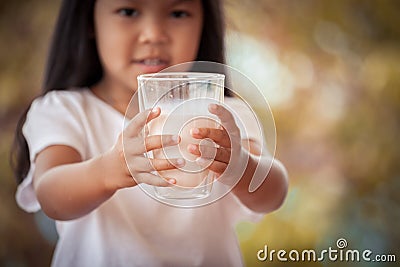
(112, 48)
(188, 44)
(188, 50)
(111, 40)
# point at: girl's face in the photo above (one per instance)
(144, 36)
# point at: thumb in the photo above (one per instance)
(136, 125)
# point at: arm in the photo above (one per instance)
(230, 157)
(272, 192)
(68, 188)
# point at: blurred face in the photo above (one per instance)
(145, 36)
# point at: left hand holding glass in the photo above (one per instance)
(221, 146)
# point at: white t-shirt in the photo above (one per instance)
(131, 228)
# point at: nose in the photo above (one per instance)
(153, 32)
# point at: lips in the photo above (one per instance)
(151, 64)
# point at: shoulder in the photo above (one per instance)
(56, 97)
(59, 105)
(239, 107)
(73, 101)
(236, 101)
(56, 118)
(246, 118)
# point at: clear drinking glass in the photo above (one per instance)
(184, 98)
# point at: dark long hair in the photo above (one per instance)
(73, 60)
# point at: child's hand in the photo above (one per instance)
(132, 145)
(228, 142)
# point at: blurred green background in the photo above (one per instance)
(331, 73)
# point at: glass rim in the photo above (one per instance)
(159, 76)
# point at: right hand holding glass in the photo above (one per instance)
(132, 145)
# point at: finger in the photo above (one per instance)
(216, 166)
(148, 165)
(159, 141)
(226, 117)
(151, 179)
(222, 154)
(136, 125)
(194, 149)
(138, 146)
(166, 164)
(219, 136)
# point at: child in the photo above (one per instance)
(70, 158)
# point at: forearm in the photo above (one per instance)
(70, 191)
(272, 192)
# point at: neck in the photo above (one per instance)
(116, 96)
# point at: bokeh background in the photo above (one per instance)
(331, 73)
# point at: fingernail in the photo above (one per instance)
(201, 161)
(195, 130)
(213, 107)
(180, 162)
(154, 110)
(191, 147)
(172, 181)
(175, 139)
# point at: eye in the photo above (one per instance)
(179, 14)
(128, 12)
